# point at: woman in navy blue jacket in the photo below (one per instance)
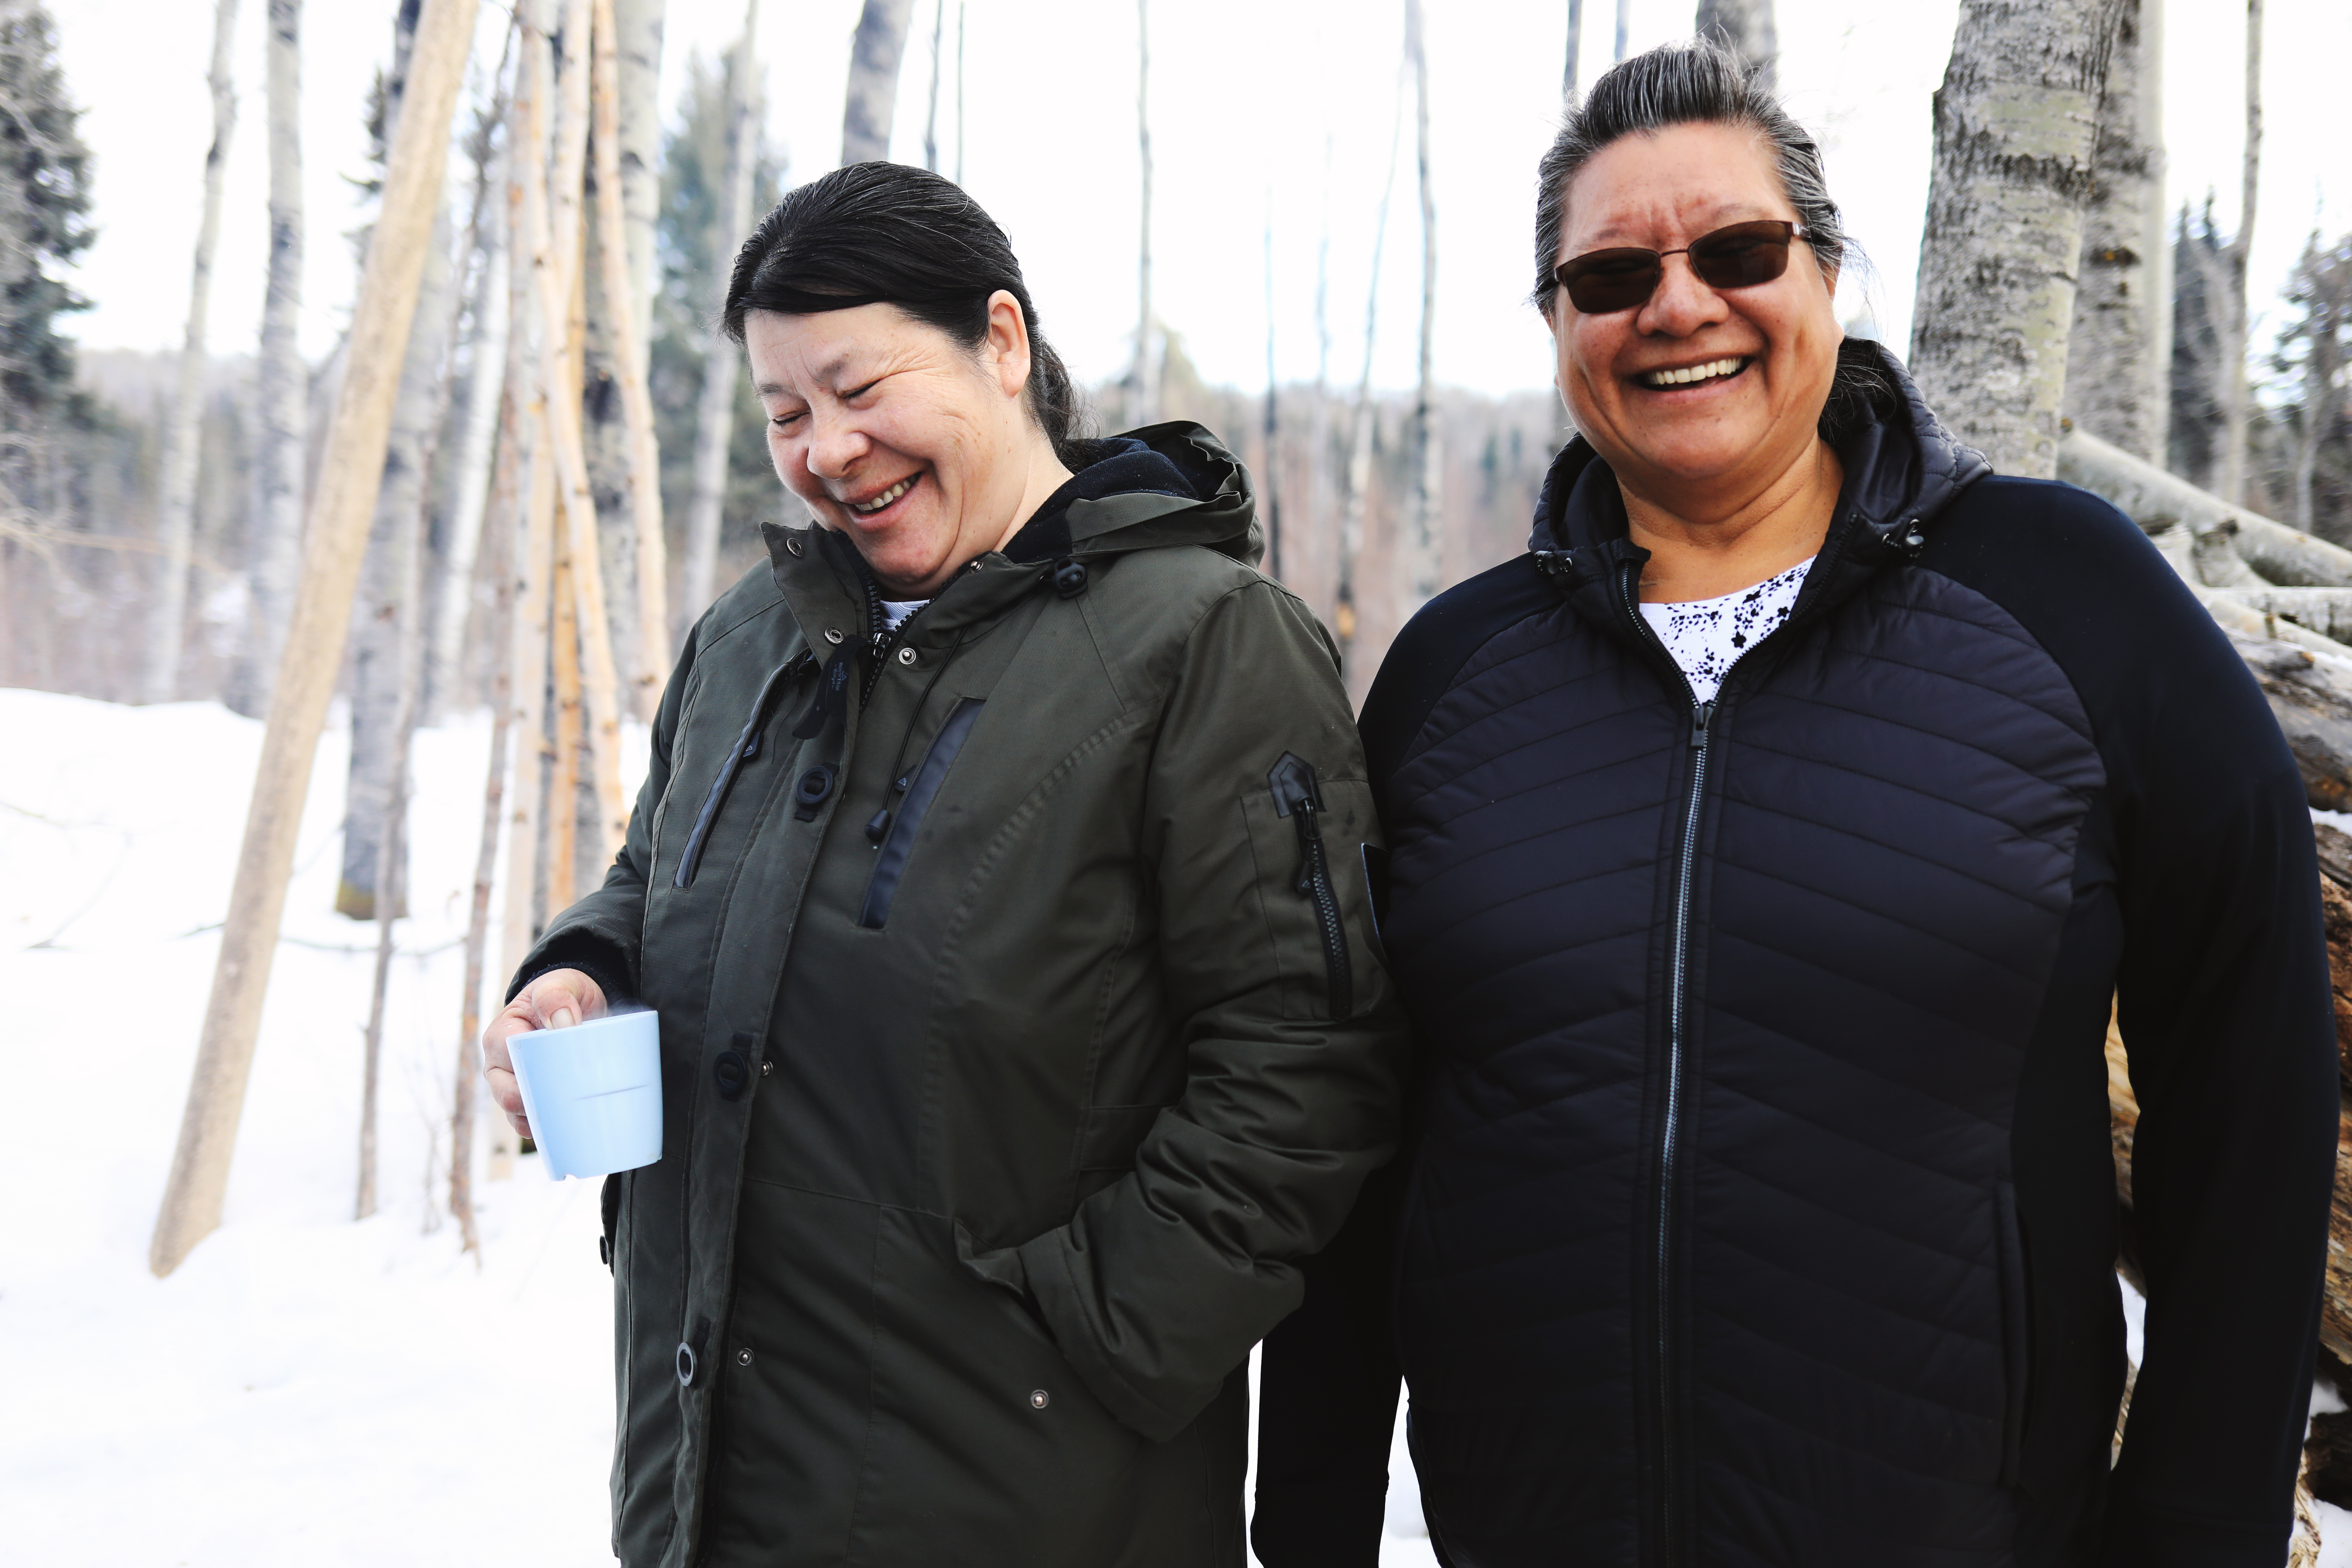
(1767, 846)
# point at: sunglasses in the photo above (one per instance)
(1738, 256)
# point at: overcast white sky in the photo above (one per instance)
(1259, 107)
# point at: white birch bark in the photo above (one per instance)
(375, 645)
(931, 116)
(714, 422)
(1745, 28)
(1423, 569)
(871, 102)
(1575, 39)
(282, 389)
(1624, 20)
(1359, 478)
(176, 516)
(387, 570)
(477, 439)
(2230, 481)
(2016, 122)
(638, 506)
(638, 40)
(2118, 362)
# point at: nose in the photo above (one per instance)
(834, 446)
(1681, 304)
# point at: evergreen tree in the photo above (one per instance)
(45, 175)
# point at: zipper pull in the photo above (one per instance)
(1700, 717)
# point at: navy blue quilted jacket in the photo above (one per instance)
(1761, 1208)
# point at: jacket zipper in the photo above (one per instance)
(1298, 796)
(1670, 1122)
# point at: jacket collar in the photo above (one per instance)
(1903, 469)
(1163, 485)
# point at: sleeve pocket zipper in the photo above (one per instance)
(1299, 797)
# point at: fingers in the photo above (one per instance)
(564, 997)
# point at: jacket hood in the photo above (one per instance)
(1902, 468)
(1173, 483)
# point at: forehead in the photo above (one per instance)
(1671, 185)
(788, 353)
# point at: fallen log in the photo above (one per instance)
(2155, 500)
(2310, 694)
(2328, 611)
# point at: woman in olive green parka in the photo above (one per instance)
(1001, 882)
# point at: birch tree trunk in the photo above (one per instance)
(2016, 124)
(931, 117)
(314, 644)
(638, 40)
(714, 422)
(533, 567)
(1745, 28)
(375, 640)
(1625, 17)
(384, 585)
(638, 538)
(176, 516)
(281, 382)
(1143, 404)
(1424, 570)
(1359, 477)
(477, 439)
(2119, 358)
(467, 1088)
(874, 54)
(2230, 318)
(1575, 38)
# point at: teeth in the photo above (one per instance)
(1706, 371)
(885, 498)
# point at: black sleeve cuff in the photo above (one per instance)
(596, 959)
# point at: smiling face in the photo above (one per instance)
(921, 450)
(1697, 398)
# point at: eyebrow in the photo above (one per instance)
(1715, 216)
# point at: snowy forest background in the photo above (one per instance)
(286, 1382)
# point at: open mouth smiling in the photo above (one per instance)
(1712, 371)
(883, 501)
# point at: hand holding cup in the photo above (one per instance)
(556, 1000)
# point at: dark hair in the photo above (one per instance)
(892, 234)
(1702, 83)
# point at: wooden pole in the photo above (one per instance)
(553, 274)
(503, 516)
(628, 351)
(563, 784)
(314, 646)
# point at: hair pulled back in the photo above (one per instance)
(1699, 82)
(892, 234)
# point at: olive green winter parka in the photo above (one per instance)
(1022, 1023)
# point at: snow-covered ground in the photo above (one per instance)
(304, 1390)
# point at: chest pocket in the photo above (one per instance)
(890, 862)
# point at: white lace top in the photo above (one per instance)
(1706, 636)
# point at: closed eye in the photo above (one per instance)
(857, 392)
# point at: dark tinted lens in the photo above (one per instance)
(1742, 256)
(1601, 281)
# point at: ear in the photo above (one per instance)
(1007, 350)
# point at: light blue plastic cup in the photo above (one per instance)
(593, 1093)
